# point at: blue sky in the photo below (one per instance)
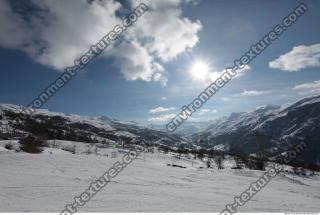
(124, 84)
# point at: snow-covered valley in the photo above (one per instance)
(47, 181)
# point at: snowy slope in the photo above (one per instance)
(46, 182)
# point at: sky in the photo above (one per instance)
(162, 62)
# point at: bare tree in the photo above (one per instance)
(219, 161)
(209, 163)
(200, 154)
(240, 162)
(88, 151)
(73, 150)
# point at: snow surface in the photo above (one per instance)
(46, 182)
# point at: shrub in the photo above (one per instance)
(164, 149)
(71, 149)
(8, 146)
(240, 162)
(261, 164)
(256, 164)
(31, 144)
(299, 171)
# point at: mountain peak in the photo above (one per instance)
(268, 107)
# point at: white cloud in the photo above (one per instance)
(203, 111)
(309, 85)
(166, 32)
(164, 98)
(214, 75)
(161, 109)
(242, 71)
(310, 88)
(225, 99)
(300, 57)
(59, 32)
(13, 31)
(206, 111)
(246, 93)
(162, 118)
(139, 67)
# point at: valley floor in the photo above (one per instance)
(46, 182)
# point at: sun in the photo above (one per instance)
(199, 70)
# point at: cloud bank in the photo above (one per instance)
(309, 85)
(247, 93)
(57, 32)
(161, 109)
(300, 57)
(309, 88)
(161, 118)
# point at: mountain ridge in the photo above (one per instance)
(268, 131)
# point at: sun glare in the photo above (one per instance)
(199, 70)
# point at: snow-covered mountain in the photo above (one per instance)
(187, 128)
(268, 129)
(52, 125)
